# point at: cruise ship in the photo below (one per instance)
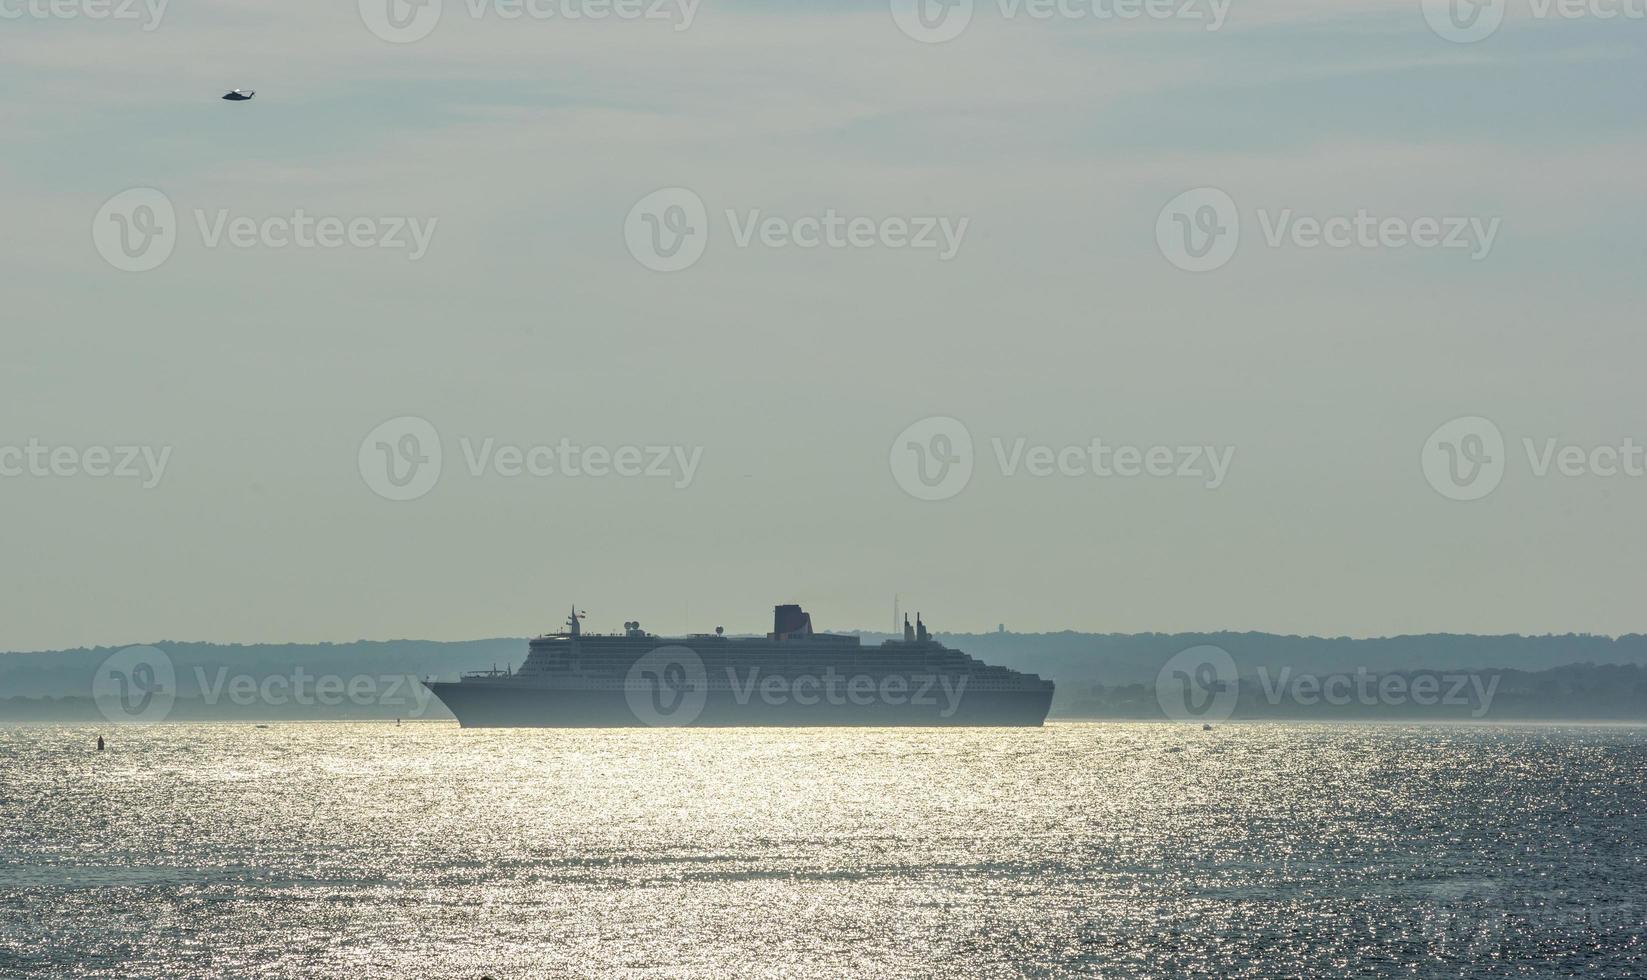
(791, 677)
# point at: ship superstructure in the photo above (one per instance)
(791, 676)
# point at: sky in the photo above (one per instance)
(1315, 318)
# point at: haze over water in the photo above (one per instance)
(375, 851)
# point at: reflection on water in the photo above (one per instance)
(370, 850)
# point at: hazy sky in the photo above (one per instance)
(777, 381)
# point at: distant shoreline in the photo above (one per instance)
(1570, 678)
(84, 711)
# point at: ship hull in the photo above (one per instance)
(514, 706)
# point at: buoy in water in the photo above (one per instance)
(99, 743)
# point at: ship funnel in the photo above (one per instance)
(790, 620)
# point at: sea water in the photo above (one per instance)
(423, 850)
